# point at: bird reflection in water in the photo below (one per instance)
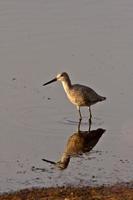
(78, 143)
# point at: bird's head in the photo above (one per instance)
(60, 77)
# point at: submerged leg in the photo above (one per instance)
(79, 125)
(90, 119)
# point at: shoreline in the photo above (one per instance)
(118, 191)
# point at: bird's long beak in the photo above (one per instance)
(53, 80)
(49, 161)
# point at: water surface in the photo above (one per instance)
(92, 41)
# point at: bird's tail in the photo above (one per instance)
(102, 98)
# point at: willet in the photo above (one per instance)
(79, 95)
(78, 144)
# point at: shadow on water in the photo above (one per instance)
(78, 143)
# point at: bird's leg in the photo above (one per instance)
(90, 112)
(80, 118)
(90, 119)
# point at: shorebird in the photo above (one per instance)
(79, 95)
(78, 144)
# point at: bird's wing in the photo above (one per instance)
(86, 92)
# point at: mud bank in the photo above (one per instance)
(116, 192)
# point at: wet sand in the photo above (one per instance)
(116, 192)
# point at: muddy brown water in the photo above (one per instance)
(92, 41)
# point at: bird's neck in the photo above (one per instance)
(67, 85)
(65, 159)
